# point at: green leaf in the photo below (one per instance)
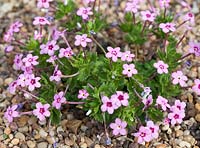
(55, 116)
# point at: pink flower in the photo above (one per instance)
(143, 135)
(27, 70)
(82, 40)
(113, 53)
(108, 105)
(167, 27)
(127, 56)
(15, 27)
(154, 129)
(196, 87)
(189, 17)
(147, 101)
(56, 75)
(32, 82)
(164, 3)
(119, 127)
(176, 117)
(178, 106)
(83, 94)
(8, 48)
(166, 121)
(148, 16)
(49, 48)
(30, 60)
(58, 100)
(161, 67)
(132, 6)
(12, 87)
(88, 1)
(56, 34)
(40, 21)
(129, 70)
(38, 35)
(84, 12)
(21, 81)
(65, 52)
(121, 98)
(194, 48)
(41, 111)
(8, 37)
(11, 113)
(43, 3)
(52, 59)
(179, 78)
(18, 62)
(163, 103)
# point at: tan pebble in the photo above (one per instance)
(20, 136)
(190, 97)
(197, 117)
(15, 141)
(31, 144)
(7, 81)
(161, 146)
(7, 131)
(2, 145)
(10, 136)
(197, 106)
(84, 145)
(179, 133)
(50, 140)
(97, 146)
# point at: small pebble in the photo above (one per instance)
(7, 81)
(197, 106)
(197, 117)
(42, 133)
(31, 144)
(42, 145)
(20, 136)
(183, 144)
(15, 141)
(7, 131)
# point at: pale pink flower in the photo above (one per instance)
(160, 101)
(164, 3)
(18, 62)
(8, 37)
(127, 56)
(15, 27)
(179, 78)
(178, 106)
(40, 21)
(65, 52)
(190, 17)
(154, 129)
(30, 60)
(52, 59)
(11, 113)
(119, 127)
(82, 40)
(21, 80)
(167, 27)
(43, 3)
(113, 53)
(129, 70)
(41, 111)
(12, 87)
(56, 34)
(84, 12)
(176, 117)
(8, 48)
(27, 70)
(143, 135)
(148, 16)
(83, 94)
(32, 82)
(56, 75)
(132, 6)
(88, 1)
(58, 100)
(38, 35)
(49, 48)
(194, 48)
(166, 121)
(121, 98)
(196, 87)
(147, 101)
(161, 67)
(108, 105)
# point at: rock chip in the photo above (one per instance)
(7, 131)
(42, 133)
(84, 145)
(31, 144)
(23, 129)
(161, 146)
(197, 117)
(15, 141)
(7, 81)
(42, 145)
(197, 106)
(20, 136)
(179, 133)
(183, 144)
(51, 140)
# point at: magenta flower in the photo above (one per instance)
(178, 106)
(119, 127)
(49, 48)
(161, 67)
(132, 6)
(143, 135)
(160, 101)
(56, 75)
(176, 117)
(154, 129)
(40, 21)
(179, 78)
(83, 94)
(148, 16)
(167, 27)
(121, 98)
(43, 3)
(27, 70)
(32, 82)
(108, 105)
(196, 87)
(166, 121)
(65, 52)
(189, 17)
(18, 62)
(30, 60)
(113, 53)
(58, 100)
(127, 56)
(194, 48)
(164, 3)
(84, 12)
(147, 101)
(15, 27)
(129, 70)
(11, 113)
(82, 40)
(12, 87)
(41, 111)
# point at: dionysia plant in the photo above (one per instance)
(58, 65)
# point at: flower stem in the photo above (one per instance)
(70, 76)
(30, 94)
(99, 45)
(26, 113)
(181, 39)
(181, 24)
(64, 38)
(145, 23)
(68, 102)
(183, 57)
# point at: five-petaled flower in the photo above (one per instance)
(160, 101)
(196, 87)
(82, 40)
(11, 113)
(148, 16)
(30, 60)
(167, 27)
(84, 12)
(129, 70)
(41, 111)
(65, 52)
(121, 98)
(108, 105)
(189, 17)
(179, 78)
(49, 48)
(143, 135)
(58, 100)
(43, 3)
(32, 82)
(176, 117)
(127, 56)
(83, 94)
(56, 74)
(119, 127)
(194, 48)
(154, 129)
(164, 3)
(161, 67)
(132, 6)
(40, 21)
(113, 53)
